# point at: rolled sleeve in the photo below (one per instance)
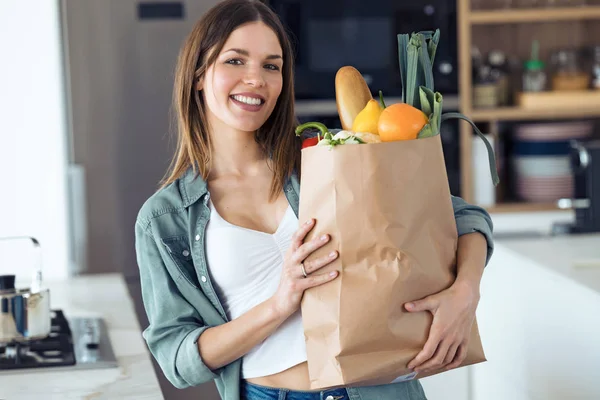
(175, 325)
(188, 360)
(471, 218)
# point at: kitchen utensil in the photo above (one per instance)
(24, 313)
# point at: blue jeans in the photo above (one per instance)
(251, 391)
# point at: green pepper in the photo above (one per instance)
(321, 127)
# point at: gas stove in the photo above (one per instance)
(77, 343)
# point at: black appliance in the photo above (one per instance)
(585, 165)
(330, 34)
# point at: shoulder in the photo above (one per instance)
(167, 200)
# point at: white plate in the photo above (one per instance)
(554, 131)
(542, 166)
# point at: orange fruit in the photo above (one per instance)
(400, 121)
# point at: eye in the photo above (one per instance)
(272, 67)
(234, 61)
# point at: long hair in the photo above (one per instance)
(199, 51)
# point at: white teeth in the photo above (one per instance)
(248, 100)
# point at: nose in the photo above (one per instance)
(254, 77)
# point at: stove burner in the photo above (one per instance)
(53, 351)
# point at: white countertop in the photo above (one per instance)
(538, 320)
(574, 256)
(104, 296)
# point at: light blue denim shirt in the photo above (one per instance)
(181, 302)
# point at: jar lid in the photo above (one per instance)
(534, 64)
(497, 58)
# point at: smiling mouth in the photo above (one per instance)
(251, 101)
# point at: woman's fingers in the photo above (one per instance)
(451, 354)
(300, 234)
(317, 279)
(460, 356)
(428, 351)
(437, 359)
(300, 251)
(309, 247)
(313, 265)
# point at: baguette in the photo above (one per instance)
(351, 95)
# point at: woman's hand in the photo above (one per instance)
(453, 312)
(293, 283)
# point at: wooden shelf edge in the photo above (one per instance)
(521, 207)
(534, 15)
(516, 113)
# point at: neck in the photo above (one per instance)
(235, 153)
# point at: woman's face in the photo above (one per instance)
(241, 88)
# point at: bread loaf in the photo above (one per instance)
(351, 95)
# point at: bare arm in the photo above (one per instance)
(471, 256)
(226, 343)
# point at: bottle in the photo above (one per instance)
(596, 68)
(500, 73)
(568, 71)
(534, 74)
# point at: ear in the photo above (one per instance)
(200, 83)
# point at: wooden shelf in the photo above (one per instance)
(521, 24)
(516, 113)
(522, 207)
(534, 15)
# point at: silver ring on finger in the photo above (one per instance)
(303, 270)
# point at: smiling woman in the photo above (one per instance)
(237, 53)
(220, 249)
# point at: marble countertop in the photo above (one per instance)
(104, 296)
(574, 256)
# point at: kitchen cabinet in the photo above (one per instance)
(512, 31)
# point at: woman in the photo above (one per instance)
(219, 246)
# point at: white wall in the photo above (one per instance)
(33, 156)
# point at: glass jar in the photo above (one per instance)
(534, 76)
(500, 73)
(568, 71)
(596, 68)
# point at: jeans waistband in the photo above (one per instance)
(251, 391)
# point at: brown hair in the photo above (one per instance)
(200, 50)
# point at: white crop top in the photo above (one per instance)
(245, 267)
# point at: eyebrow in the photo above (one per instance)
(247, 54)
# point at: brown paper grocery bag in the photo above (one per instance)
(388, 210)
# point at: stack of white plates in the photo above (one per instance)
(541, 160)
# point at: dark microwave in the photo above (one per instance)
(328, 34)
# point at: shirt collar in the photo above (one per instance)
(192, 187)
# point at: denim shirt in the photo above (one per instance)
(181, 302)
